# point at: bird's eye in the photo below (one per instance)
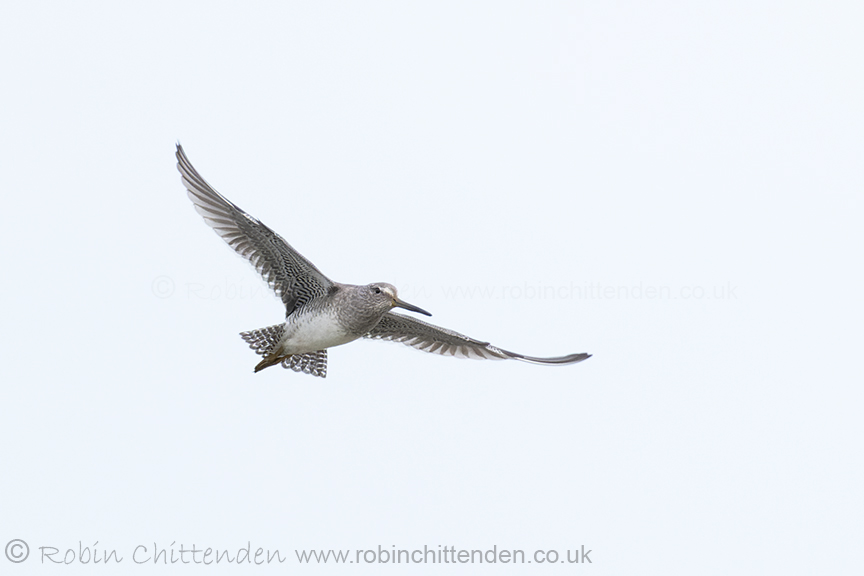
(377, 290)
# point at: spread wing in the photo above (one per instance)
(294, 279)
(430, 338)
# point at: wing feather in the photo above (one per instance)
(294, 278)
(430, 338)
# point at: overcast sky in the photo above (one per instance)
(673, 187)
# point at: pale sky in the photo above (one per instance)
(674, 188)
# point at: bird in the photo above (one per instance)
(321, 313)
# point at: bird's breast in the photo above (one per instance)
(309, 332)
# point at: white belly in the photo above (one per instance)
(309, 333)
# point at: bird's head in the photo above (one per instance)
(384, 296)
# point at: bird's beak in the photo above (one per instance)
(406, 306)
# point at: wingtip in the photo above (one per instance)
(555, 361)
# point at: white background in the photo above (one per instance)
(598, 154)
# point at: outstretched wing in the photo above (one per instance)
(430, 338)
(294, 279)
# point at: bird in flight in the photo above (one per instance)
(321, 313)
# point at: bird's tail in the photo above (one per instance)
(314, 363)
(266, 342)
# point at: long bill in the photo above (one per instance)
(399, 303)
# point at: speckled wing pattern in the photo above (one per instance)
(430, 338)
(294, 279)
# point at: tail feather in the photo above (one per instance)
(266, 341)
(314, 363)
